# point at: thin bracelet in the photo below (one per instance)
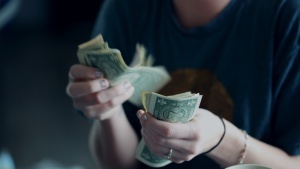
(245, 148)
(220, 139)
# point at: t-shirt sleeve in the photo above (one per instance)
(286, 78)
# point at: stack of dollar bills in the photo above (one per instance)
(142, 75)
(178, 108)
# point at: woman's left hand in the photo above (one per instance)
(186, 140)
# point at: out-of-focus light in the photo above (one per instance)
(8, 11)
(6, 161)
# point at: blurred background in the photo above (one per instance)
(38, 44)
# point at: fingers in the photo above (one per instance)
(108, 98)
(96, 111)
(177, 156)
(92, 94)
(113, 92)
(81, 72)
(105, 110)
(184, 149)
(86, 87)
(168, 130)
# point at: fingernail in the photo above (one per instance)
(102, 83)
(98, 74)
(126, 85)
(144, 116)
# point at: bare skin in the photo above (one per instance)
(194, 13)
(112, 138)
(115, 148)
(198, 136)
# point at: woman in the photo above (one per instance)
(241, 55)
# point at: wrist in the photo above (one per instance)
(221, 138)
(112, 115)
(228, 152)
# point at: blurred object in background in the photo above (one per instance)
(6, 161)
(8, 9)
(50, 164)
(37, 47)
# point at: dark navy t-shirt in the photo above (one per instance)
(245, 62)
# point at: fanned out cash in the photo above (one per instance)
(142, 76)
(178, 108)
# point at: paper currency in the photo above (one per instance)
(96, 53)
(175, 109)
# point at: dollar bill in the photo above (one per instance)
(178, 108)
(142, 76)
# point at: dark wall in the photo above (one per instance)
(37, 48)
(64, 13)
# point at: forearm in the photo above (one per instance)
(113, 142)
(231, 148)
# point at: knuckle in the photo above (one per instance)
(117, 101)
(112, 103)
(160, 140)
(192, 149)
(101, 98)
(196, 135)
(168, 132)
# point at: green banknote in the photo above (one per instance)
(142, 76)
(178, 108)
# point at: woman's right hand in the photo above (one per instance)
(92, 95)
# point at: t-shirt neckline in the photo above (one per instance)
(217, 23)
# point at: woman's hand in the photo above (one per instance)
(186, 139)
(92, 95)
